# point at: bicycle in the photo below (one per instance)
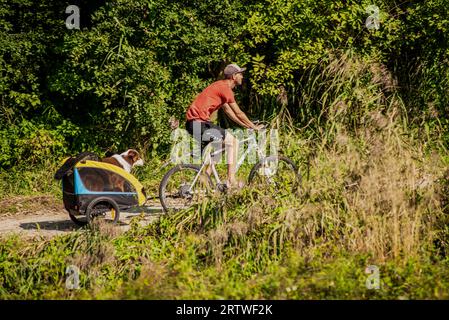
(187, 184)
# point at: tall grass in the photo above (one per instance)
(374, 198)
(30, 180)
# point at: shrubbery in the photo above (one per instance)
(115, 82)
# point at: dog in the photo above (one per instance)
(127, 160)
(113, 182)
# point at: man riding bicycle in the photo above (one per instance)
(219, 95)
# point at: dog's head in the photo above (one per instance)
(132, 157)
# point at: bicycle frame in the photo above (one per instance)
(209, 155)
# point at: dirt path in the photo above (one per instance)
(45, 216)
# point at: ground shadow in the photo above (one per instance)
(69, 225)
(58, 225)
(147, 210)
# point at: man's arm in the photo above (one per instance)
(230, 113)
(238, 116)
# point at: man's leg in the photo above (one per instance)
(208, 169)
(231, 152)
(212, 134)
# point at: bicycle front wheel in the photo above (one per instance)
(183, 186)
(278, 173)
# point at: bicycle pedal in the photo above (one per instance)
(222, 187)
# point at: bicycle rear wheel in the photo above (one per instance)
(278, 173)
(178, 190)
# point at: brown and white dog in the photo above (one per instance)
(127, 160)
(113, 182)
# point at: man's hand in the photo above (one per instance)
(258, 125)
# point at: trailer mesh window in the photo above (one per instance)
(100, 180)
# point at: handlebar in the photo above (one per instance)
(265, 124)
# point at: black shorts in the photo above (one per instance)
(205, 132)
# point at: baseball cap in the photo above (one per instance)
(232, 69)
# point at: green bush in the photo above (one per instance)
(134, 64)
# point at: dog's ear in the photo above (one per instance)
(133, 154)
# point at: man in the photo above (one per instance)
(219, 95)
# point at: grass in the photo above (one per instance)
(22, 180)
(366, 202)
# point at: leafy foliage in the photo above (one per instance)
(114, 83)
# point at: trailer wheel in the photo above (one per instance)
(103, 208)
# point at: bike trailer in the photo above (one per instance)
(91, 188)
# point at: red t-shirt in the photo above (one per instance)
(211, 99)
